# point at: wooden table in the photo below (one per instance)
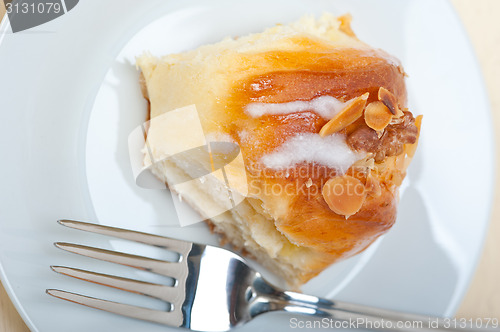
(483, 297)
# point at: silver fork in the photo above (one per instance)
(245, 292)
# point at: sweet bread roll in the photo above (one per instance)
(324, 134)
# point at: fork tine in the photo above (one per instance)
(169, 269)
(160, 241)
(161, 292)
(172, 318)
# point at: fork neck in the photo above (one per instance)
(268, 298)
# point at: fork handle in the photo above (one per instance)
(359, 316)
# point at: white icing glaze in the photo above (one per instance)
(325, 106)
(244, 135)
(331, 151)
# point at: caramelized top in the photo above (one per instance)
(341, 73)
(344, 74)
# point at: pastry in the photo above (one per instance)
(321, 134)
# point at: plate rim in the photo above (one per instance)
(485, 95)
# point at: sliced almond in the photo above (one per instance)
(412, 148)
(377, 115)
(399, 113)
(372, 186)
(367, 163)
(346, 116)
(344, 195)
(389, 100)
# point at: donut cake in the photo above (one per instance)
(322, 128)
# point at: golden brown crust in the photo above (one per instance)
(308, 221)
(303, 69)
(307, 75)
(340, 73)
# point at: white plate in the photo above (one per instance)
(70, 99)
